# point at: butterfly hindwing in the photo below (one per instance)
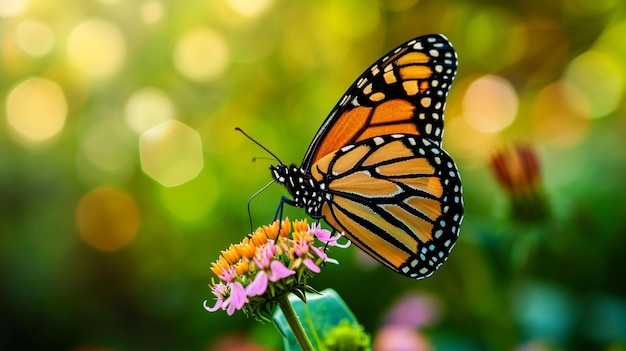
(403, 92)
(397, 197)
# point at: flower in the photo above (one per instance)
(326, 237)
(517, 169)
(274, 260)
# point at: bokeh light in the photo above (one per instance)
(468, 143)
(107, 218)
(97, 48)
(36, 109)
(34, 37)
(559, 115)
(171, 153)
(490, 104)
(148, 107)
(600, 77)
(201, 54)
(249, 8)
(545, 312)
(152, 11)
(9, 8)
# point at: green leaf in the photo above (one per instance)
(322, 313)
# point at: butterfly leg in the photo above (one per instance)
(279, 211)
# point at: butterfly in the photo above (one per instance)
(376, 170)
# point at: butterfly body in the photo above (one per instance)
(376, 170)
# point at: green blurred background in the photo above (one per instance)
(122, 178)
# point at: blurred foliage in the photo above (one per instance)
(96, 252)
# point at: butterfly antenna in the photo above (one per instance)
(259, 144)
(252, 197)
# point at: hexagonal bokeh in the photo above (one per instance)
(171, 153)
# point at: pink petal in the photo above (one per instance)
(279, 271)
(311, 265)
(237, 296)
(320, 253)
(228, 275)
(230, 310)
(298, 250)
(323, 235)
(218, 305)
(258, 285)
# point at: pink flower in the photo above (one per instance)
(325, 236)
(276, 272)
(265, 255)
(391, 338)
(228, 275)
(258, 285)
(311, 265)
(236, 297)
(320, 253)
(279, 271)
(220, 290)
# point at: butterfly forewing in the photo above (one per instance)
(404, 209)
(403, 92)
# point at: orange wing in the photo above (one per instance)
(403, 93)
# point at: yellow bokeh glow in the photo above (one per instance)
(97, 48)
(249, 8)
(201, 54)
(9, 8)
(36, 109)
(171, 153)
(467, 143)
(107, 219)
(559, 114)
(34, 37)
(600, 77)
(490, 104)
(146, 108)
(152, 11)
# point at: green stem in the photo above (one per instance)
(294, 323)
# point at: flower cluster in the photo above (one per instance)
(272, 261)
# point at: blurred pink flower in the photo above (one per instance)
(414, 311)
(400, 338)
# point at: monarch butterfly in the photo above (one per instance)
(376, 171)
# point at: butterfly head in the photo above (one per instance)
(305, 190)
